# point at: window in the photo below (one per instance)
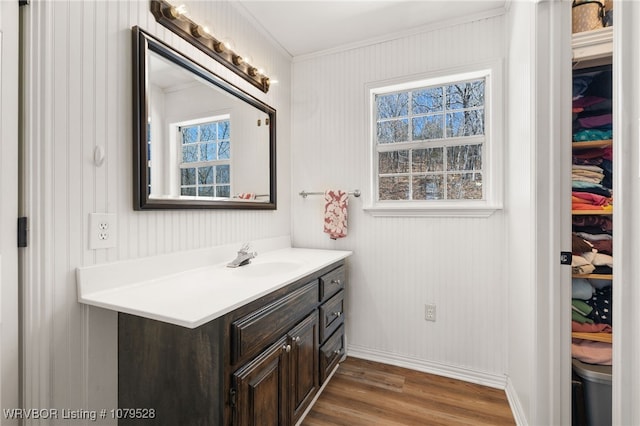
(205, 167)
(433, 144)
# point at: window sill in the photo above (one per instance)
(440, 210)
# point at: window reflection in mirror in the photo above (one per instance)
(207, 144)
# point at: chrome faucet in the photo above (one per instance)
(243, 258)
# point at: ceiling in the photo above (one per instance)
(303, 27)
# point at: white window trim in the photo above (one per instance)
(492, 148)
(176, 155)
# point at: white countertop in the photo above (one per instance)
(156, 288)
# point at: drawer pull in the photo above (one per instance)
(336, 282)
(286, 348)
(337, 314)
(337, 352)
(296, 339)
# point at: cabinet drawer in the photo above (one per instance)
(331, 315)
(332, 282)
(254, 332)
(331, 353)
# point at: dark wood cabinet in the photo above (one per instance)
(277, 386)
(260, 364)
(304, 365)
(331, 352)
(260, 389)
(331, 315)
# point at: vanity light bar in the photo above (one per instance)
(170, 17)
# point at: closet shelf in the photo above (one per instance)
(594, 276)
(592, 48)
(591, 212)
(592, 144)
(596, 337)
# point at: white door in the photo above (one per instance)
(626, 166)
(9, 353)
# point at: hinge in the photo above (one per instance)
(565, 257)
(22, 231)
(232, 397)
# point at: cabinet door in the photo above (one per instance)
(304, 364)
(262, 387)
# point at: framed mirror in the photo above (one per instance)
(199, 141)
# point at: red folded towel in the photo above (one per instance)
(335, 213)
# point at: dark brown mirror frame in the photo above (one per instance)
(143, 43)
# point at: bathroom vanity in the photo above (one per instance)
(260, 359)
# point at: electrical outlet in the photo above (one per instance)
(102, 230)
(430, 312)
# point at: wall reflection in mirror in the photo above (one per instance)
(204, 143)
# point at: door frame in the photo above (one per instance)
(9, 296)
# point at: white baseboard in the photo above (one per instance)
(514, 403)
(498, 381)
(492, 380)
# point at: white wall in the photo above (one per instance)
(399, 264)
(520, 201)
(78, 96)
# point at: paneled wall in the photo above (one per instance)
(401, 263)
(77, 79)
(521, 239)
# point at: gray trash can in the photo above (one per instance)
(596, 386)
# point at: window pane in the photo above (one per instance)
(393, 131)
(188, 176)
(464, 157)
(208, 132)
(205, 175)
(208, 151)
(189, 134)
(189, 153)
(188, 191)
(205, 191)
(429, 127)
(223, 191)
(466, 123)
(393, 162)
(222, 174)
(224, 153)
(427, 160)
(428, 187)
(464, 186)
(393, 105)
(465, 95)
(429, 123)
(224, 130)
(393, 188)
(427, 100)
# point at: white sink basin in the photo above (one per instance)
(257, 269)
(194, 287)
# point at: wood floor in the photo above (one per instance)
(369, 393)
